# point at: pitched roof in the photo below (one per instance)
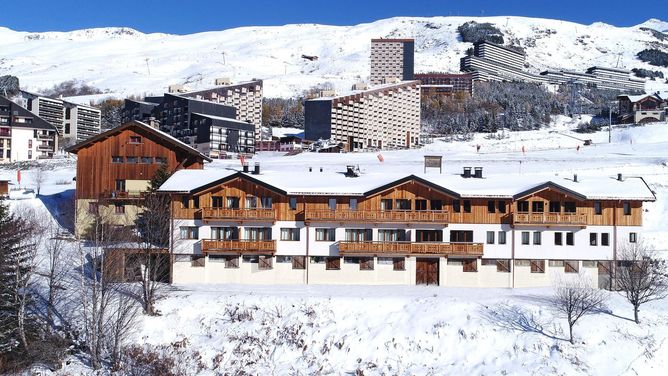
(135, 123)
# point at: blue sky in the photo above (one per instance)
(188, 16)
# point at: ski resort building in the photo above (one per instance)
(301, 227)
(445, 84)
(643, 108)
(80, 121)
(392, 59)
(115, 167)
(49, 109)
(382, 117)
(23, 135)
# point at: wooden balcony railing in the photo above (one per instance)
(240, 246)
(437, 216)
(259, 214)
(556, 219)
(123, 195)
(426, 248)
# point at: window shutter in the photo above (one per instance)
(333, 263)
(265, 262)
(537, 266)
(503, 266)
(399, 263)
(298, 262)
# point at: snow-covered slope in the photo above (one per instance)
(120, 59)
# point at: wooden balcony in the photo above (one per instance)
(409, 248)
(550, 219)
(250, 247)
(241, 215)
(123, 195)
(401, 216)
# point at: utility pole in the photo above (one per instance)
(147, 67)
(609, 124)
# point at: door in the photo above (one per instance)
(426, 271)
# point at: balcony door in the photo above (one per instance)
(426, 271)
(428, 236)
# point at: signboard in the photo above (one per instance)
(433, 161)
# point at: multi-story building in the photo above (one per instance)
(114, 169)
(385, 116)
(139, 110)
(80, 121)
(217, 136)
(392, 59)
(445, 84)
(326, 228)
(616, 79)
(246, 97)
(23, 135)
(49, 109)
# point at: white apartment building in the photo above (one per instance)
(391, 59)
(80, 122)
(23, 135)
(385, 116)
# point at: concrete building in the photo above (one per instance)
(80, 122)
(23, 135)
(445, 84)
(392, 58)
(49, 109)
(385, 116)
(299, 227)
(616, 79)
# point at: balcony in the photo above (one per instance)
(550, 219)
(403, 216)
(261, 247)
(41, 136)
(408, 248)
(231, 214)
(123, 195)
(45, 147)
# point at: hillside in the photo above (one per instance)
(125, 61)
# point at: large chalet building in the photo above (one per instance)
(293, 227)
(24, 136)
(114, 169)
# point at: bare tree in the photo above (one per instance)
(641, 277)
(55, 272)
(39, 177)
(575, 298)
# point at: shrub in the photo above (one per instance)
(654, 57)
(475, 32)
(646, 73)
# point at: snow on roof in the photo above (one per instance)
(221, 118)
(498, 186)
(370, 90)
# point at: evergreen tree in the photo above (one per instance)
(153, 222)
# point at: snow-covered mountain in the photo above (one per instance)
(126, 61)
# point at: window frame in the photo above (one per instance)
(293, 234)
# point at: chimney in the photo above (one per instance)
(246, 167)
(467, 172)
(575, 178)
(352, 171)
(477, 172)
(619, 177)
(256, 168)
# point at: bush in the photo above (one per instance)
(473, 32)
(646, 73)
(143, 362)
(654, 57)
(588, 127)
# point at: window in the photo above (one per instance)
(265, 262)
(537, 266)
(589, 264)
(290, 234)
(420, 204)
(232, 202)
(146, 160)
(318, 260)
(366, 263)
(403, 204)
(558, 238)
(189, 232)
(358, 235)
(467, 206)
(257, 233)
(525, 237)
(135, 140)
(523, 206)
(217, 201)
(398, 263)
(569, 207)
(627, 208)
(299, 262)
(461, 236)
(161, 160)
(325, 234)
(185, 202)
(536, 237)
(333, 263)
(116, 159)
(436, 205)
(131, 159)
(93, 208)
(491, 206)
(593, 238)
(250, 259)
(119, 209)
(597, 208)
(537, 206)
(231, 262)
(605, 239)
(197, 261)
(352, 204)
(633, 237)
(29, 143)
(196, 202)
(502, 237)
(522, 263)
(571, 266)
(570, 238)
(251, 202)
(385, 204)
(331, 204)
(470, 265)
(501, 205)
(556, 263)
(120, 185)
(225, 233)
(293, 203)
(267, 202)
(456, 206)
(490, 237)
(502, 266)
(555, 207)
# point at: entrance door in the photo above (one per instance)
(426, 271)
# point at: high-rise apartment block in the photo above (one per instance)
(391, 58)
